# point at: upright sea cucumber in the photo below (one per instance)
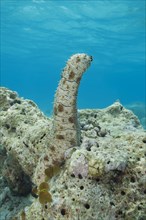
(65, 126)
(66, 131)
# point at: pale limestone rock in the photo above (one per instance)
(24, 129)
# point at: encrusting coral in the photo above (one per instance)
(93, 171)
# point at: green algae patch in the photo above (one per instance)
(43, 186)
(23, 215)
(44, 197)
(42, 193)
(51, 171)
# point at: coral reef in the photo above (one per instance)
(26, 127)
(97, 172)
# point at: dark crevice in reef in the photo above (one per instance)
(15, 186)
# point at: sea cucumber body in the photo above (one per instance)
(66, 129)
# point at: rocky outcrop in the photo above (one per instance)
(24, 129)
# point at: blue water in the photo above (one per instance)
(38, 36)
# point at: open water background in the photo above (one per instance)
(38, 36)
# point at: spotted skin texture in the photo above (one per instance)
(65, 110)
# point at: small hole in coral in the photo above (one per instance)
(144, 191)
(65, 187)
(119, 212)
(81, 187)
(73, 199)
(46, 206)
(108, 162)
(7, 126)
(144, 140)
(139, 208)
(13, 129)
(88, 148)
(97, 179)
(97, 145)
(132, 179)
(80, 176)
(87, 206)
(63, 211)
(111, 203)
(72, 175)
(123, 193)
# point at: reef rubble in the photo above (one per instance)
(95, 173)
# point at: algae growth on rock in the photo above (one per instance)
(95, 174)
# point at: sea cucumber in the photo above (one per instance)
(66, 130)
